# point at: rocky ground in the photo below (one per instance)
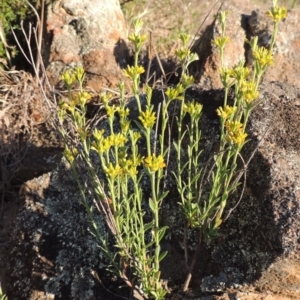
(279, 278)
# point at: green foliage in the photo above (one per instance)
(2, 296)
(11, 13)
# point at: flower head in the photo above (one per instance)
(225, 74)
(239, 72)
(263, 57)
(132, 71)
(249, 91)
(175, 93)
(193, 108)
(112, 171)
(187, 80)
(277, 13)
(68, 77)
(130, 166)
(221, 41)
(184, 37)
(70, 154)
(227, 112)
(80, 98)
(79, 74)
(125, 125)
(117, 139)
(154, 163)
(110, 110)
(235, 133)
(124, 112)
(222, 17)
(147, 118)
(98, 134)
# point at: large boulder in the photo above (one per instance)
(90, 33)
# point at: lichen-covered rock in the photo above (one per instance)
(53, 255)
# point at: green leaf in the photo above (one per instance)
(140, 126)
(176, 146)
(161, 232)
(161, 197)
(162, 256)
(150, 244)
(152, 205)
(154, 294)
(148, 226)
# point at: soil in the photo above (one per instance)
(48, 147)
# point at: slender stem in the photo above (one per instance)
(192, 265)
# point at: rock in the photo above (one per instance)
(287, 57)
(88, 33)
(53, 255)
(206, 69)
(238, 27)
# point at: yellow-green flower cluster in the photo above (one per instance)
(249, 91)
(132, 71)
(182, 53)
(68, 77)
(221, 41)
(103, 144)
(111, 109)
(80, 98)
(123, 112)
(226, 113)
(135, 137)
(193, 108)
(175, 93)
(125, 125)
(187, 80)
(235, 133)
(263, 56)
(154, 163)
(76, 99)
(277, 13)
(137, 38)
(112, 171)
(79, 74)
(83, 132)
(129, 166)
(225, 74)
(239, 72)
(222, 19)
(117, 139)
(125, 167)
(147, 118)
(70, 154)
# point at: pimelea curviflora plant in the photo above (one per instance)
(115, 182)
(207, 213)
